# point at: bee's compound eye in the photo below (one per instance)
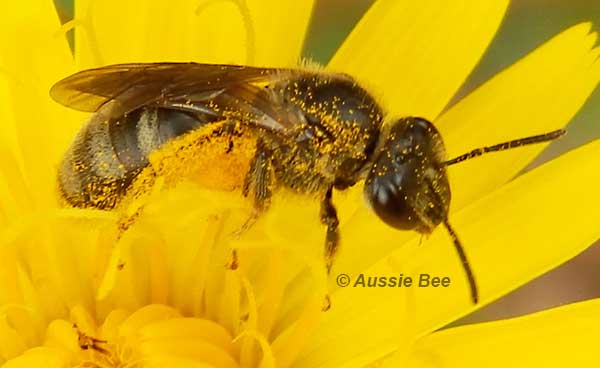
(390, 202)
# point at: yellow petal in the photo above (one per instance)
(268, 361)
(34, 55)
(9, 292)
(46, 56)
(511, 236)
(416, 54)
(257, 32)
(288, 345)
(61, 334)
(51, 278)
(15, 194)
(539, 93)
(112, 323)
(187, 348)
(560, 337)
(8, 137)
(39, 357)
(144, 316)
(161, 360)
(11, 343)
(189, 328)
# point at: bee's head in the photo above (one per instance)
(407, 186)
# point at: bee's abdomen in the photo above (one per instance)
(106, 156)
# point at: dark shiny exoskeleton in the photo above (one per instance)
(407, 184)
(314, 132)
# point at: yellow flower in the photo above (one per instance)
(72, 295)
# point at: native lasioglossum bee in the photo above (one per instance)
(314, 131)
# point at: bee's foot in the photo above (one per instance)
(247, 225)
(326, 303)
(238, 233)
(233, 263)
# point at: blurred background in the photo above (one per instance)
(527, 24)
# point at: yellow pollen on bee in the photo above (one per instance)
(213, 159)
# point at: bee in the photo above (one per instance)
(314, 132)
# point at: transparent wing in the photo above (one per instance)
(118, 89)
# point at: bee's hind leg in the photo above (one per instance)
(332, 238)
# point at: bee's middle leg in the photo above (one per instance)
(259, 181)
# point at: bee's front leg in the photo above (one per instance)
(332, 238)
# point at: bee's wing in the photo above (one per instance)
(118, 89)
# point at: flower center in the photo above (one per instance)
(160, 295)
(154, 335)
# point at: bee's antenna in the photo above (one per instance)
(507, 145)
(464, 261)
